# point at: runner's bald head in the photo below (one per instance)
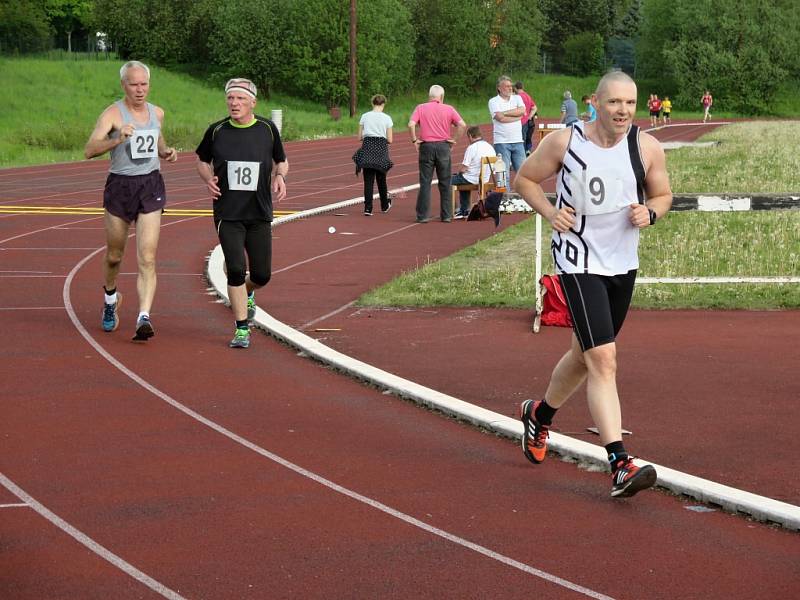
(610, 78)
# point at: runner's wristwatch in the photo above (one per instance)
(653, 216)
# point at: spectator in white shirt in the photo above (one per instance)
(507, 109)
(470, 168)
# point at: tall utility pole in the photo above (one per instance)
(352, 58)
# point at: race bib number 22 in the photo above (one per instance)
(144, 143)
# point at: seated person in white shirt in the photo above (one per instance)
(470, 167)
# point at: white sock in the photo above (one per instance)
(112, 299)
(143, 314)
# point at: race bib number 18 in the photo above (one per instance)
(144, 143)
(243, 175)
(596, 192)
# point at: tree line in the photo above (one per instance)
(741, 53)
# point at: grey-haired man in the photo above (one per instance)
(243, 164)
(134, 193)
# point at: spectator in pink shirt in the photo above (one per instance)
(528, 119)
(440, 126)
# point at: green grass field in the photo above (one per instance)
(68, 96)
(499, 271)
(751, 157)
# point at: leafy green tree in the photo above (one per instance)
(165, 32)
(69, 16)
(628, 20)
(24, 26)
(737, 50)
(519, 27)
(454, 45)
(319, 50)
(385, 47)
(250, 38)
(568, 19)
(583, 54)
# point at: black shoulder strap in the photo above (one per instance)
(636, 161)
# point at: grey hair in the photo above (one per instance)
(567, 95)
(503, 78)
(132, 64)
(436, 91)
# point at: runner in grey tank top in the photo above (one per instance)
(130, 129)
(143, 144)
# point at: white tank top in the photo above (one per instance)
(600, 184)
(143, 144)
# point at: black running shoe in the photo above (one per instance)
(144, 329)
(629, 479)
(534, 440)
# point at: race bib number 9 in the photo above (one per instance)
(144, 143)
(596, 192)
(243, 175)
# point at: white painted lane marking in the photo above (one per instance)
(323, 317)
(84, 539)
(298, 469)
(17, 505)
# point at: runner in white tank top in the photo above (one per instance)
(611, 182)
(600, 184)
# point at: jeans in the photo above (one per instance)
(513, 154)
(463, 195)
(434, 155)
(527, 135)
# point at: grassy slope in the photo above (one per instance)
(50, 106)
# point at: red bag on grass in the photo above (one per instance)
(554, 304)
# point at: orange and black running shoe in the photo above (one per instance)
(534, 440)
(629, 479)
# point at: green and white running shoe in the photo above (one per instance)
(241, 339)
(251, 306)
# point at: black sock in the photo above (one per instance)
(110, 292)
(616, 454)
(242, 324)
(544, 413)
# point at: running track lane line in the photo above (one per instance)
(84, 539)
(290, 465)
(730, 498)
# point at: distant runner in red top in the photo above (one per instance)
(707, 100)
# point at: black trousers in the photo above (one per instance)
(434, 156)
(370, 176)
(253, 237)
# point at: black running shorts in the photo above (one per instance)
(598, 305)
(128, 196)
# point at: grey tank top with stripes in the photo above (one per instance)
(143, 141)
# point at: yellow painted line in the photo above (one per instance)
(78, 210)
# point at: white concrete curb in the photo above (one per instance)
(729, 498)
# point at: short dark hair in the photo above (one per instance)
(378, 99)
(518, 85)
(474, 132)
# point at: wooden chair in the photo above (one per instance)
(482, 187)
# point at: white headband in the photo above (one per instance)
(247, 87)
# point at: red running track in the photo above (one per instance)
(203, 472)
